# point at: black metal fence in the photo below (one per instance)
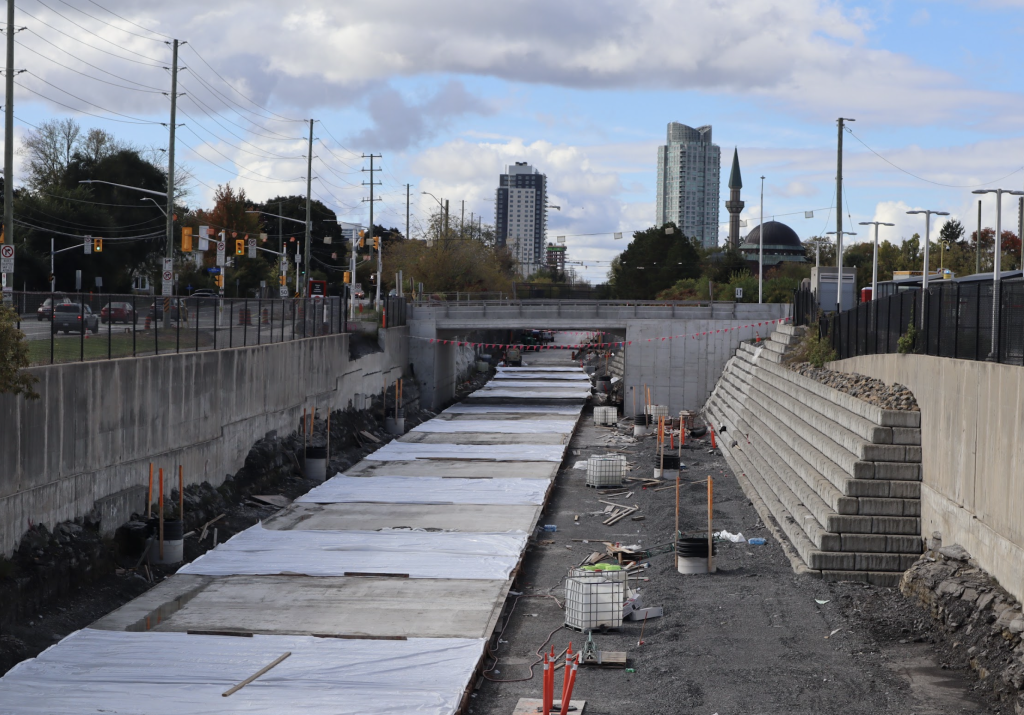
(393, 315)
(805, 307)
(954, 320)
(72, 327)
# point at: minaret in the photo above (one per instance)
(734, 205)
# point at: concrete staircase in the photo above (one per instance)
(839, 475)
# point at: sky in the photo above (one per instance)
(451, 91)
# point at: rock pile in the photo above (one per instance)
(981, 622)
(869, 389)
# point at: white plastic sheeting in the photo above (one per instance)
(465, 409)
(583, 386)
(420, 554)
(499, 426)
(157, 673)
(538, 369)
(427, 490)
(534, 394)
(401, 451)
(542, 375)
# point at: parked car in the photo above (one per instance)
(179, 311)
(45, 311)
(73, 318)
(118, 312)
(546, 336)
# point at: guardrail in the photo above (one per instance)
(108, 326)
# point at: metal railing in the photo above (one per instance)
(954, 320)
(108, 326)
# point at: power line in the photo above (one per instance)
(95, 67)
(211, 112)
(108, 24)
(270, 179)
(265, 155)
(82, 111)
(97, 35)
(91, 47)
(129, 21)
(148, 236)
(97, 79)
(929, 181)
(137, 120)
(228, 102)
(280, 117)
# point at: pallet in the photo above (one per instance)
(531, 706)
(609, 659)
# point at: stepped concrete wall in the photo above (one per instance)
(972, 438)
(840, 476)
(87, 442)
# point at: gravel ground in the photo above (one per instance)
(869, 389)
(750, 639)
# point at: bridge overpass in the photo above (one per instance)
(680, 372)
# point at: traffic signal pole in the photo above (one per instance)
(9, 134)
(169, 250)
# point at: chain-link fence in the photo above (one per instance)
(954, 319)
(73, 327)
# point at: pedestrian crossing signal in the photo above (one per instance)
(348, 277)
(186, 239)
(97, 245)
(240, 247)
(283, 279)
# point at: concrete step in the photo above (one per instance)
(760, 353)
(794, 330)
(775, 347)
(874, 413)
(784, 339)
(792, 524)
(817, 473)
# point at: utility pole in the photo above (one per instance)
(472, 225)
(309, 215)
(9, 133)
(407, 188)
(977, 243)
(462, 222)
(371, 157)
(760, 250)
(169, 249)
(839, 215)
(446, 236)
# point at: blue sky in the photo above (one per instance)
(451, 91)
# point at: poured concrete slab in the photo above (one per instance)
(307, 605)
(495, 438)
(368, 517)
(454, 468)
(504, 416)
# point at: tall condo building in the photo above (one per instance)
(689, 170)
(521, 215)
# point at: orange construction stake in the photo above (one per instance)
(712, 428)
(161, 514)
(565, 674)
(547, 696)
(567, 696)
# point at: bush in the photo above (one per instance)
(813, 348)
(907, 342)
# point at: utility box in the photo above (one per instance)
(824, 285)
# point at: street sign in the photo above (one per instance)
(317, 289)
(739, 293)
(168, 264)
(213, 271)
(88, 244)
(7, 258)
(221, 248)
(168, 283)
(284, 291)
(251, 243)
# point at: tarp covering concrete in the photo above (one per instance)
(427, 490)
(160, 673)
(465, 409)
(541, 374)
(500, 426)
(538, 368)
(531, 394)
(418, 554)
(398, 451)
(582, 386)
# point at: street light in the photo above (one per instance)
(760, 250)
(155, 204)
(928, 213)
(444, 217)
(997, 256)
(874, 261)
(839, 264)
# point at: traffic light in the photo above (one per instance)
(218, 280)
(97, 245)
(240, 247)
(362, 242)
(186, 239)
(376, 242)
(348, 277)
(283, 279)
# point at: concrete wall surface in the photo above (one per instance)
(972, 424)
(88, 441)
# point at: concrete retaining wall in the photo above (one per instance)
(88, 441)
(972, 424)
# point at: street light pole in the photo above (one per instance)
(760, 250)
(839, 265)
(874, 260)
(997, 268)
(928, 213)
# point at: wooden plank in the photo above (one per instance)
(258, 673)
(531, 706)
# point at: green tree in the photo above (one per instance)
(652, 262)
(14, 357)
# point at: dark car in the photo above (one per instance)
(74, 318)
(118, 312)
(179, 311)
(45, 311)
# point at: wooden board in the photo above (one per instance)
(532, 706)
(609, 659)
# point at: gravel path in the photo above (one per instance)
(750, 639)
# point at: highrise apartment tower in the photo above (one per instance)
(689, 171)
(734, 205)
(521, 215)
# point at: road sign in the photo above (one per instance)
(168, 283)
(221, 249)
(284, 291)
(88, 244)
(251, 243)
(168, 264)
(213, 271)
(7, 258)
(739, 293)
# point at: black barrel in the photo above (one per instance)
(693, 547)
(643, 419)
(173, 530)
(316, 452)
(670, 461)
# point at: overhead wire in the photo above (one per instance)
(276, 116)
(97, 35)
(128, 21)
(268, 179)
(266, 155)
(227, 102)
(143, 237)
(92, 47)
(95, 67)
(109, 24)
(137, 120)
(81, 111)
(89, 76)
(211, 112)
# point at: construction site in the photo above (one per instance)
(554, 540)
